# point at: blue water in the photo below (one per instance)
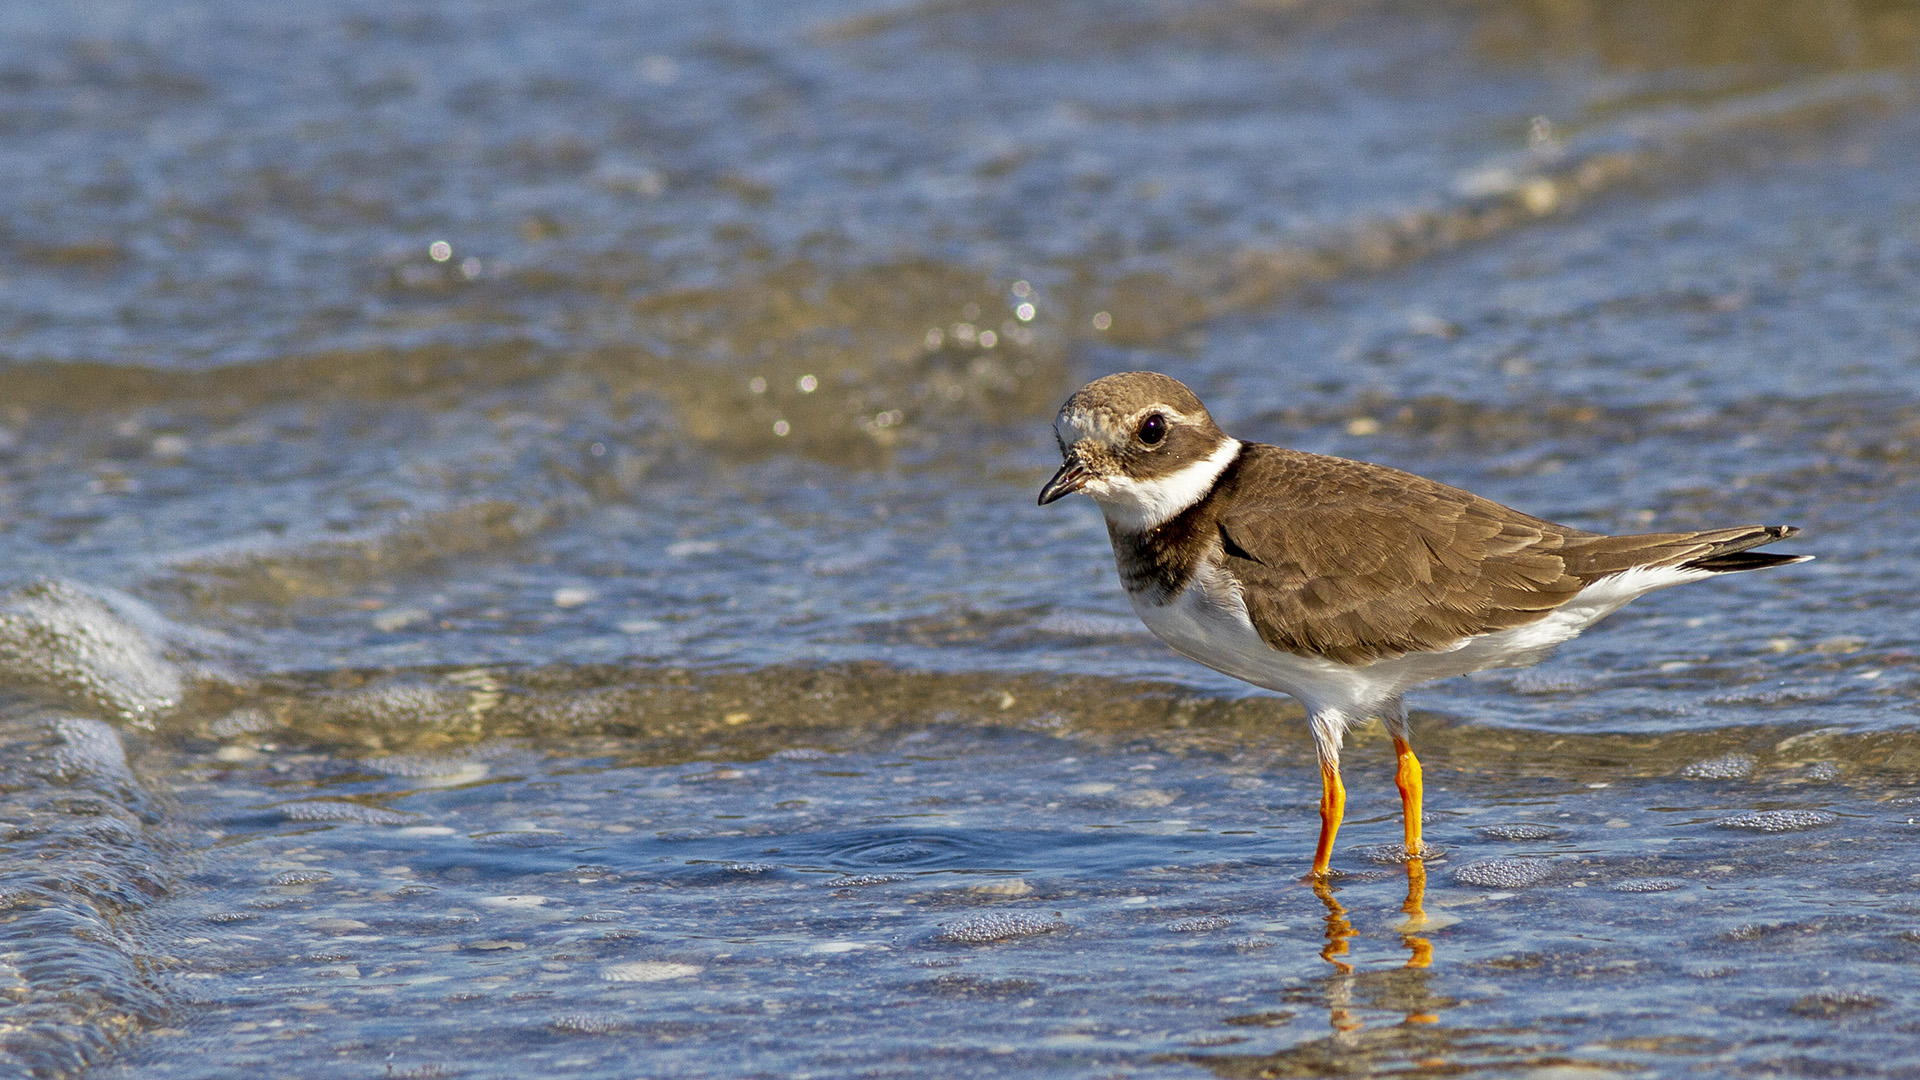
(538, 503)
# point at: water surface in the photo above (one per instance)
(521, 551)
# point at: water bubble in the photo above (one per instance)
(988, 339)
(1386, 854)
(1022, 289)
(1199, 924)
(977, 986)
(351, 813)
(1778, 820)
(639, 971)
(1102, 320)
(86, 644)
(1524, 830)
(300, 877)
(591, 1024)
(388, 622)
(92, 747)
(858, 881)
(440, 251)
(757, 385)
(808, 384)
(782, 428)
(1646, 885)
(996, 926)
(523, 839)
(658, 70)
(426, 766)
(1503, 873)
(513, 900)
(1724, 767)
(1829, 1004)
(1024, 312)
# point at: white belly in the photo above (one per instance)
(1208, 622)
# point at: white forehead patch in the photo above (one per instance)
(1074, 425)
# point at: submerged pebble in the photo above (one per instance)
(1778, 820)
(997, 926)
(1503, 873)
(1724, 767)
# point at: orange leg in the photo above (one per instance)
(1333, 807)
(1408, 779)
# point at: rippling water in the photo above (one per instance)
(520, 549)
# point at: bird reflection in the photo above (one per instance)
(1340, 988)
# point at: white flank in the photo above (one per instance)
(1208, 622)
(1139, 505)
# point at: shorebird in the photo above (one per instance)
(1343, 583)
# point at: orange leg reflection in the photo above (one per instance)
(1415, 907)
(1420, 950)
(1339, 932)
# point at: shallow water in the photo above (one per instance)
(521, 550)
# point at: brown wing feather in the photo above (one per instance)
(1358, 562)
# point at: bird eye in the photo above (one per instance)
(1153, 429)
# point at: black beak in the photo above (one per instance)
(1071, 478)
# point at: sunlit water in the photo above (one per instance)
(522, 559)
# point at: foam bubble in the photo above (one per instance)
(1388, 854)
(1521, 830)
(1778, 820)
(1503, 873)
(855, 881)
(1836, 1003)
(1724, 767)
(574, 1024)
(1199, 924)
(301, 877)
(997, 926)
(641, 971)
(351, 813)
(91, 747)
(63, 638)
(1646, 885)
